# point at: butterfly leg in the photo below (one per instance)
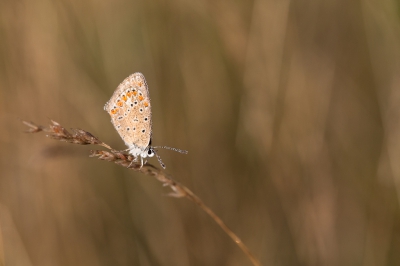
(134, 160)
(141, 162)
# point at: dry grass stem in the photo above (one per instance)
(82, 137)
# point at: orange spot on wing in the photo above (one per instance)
(140, 83)
(120, 104)
(124, 98)
(134, 93)
(114, 111)
(146, 104)
(129, 94)
(141, 98)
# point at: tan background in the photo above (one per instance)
(290, 111)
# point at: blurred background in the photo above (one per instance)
(290, 111)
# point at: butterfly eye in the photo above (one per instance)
(150, 153)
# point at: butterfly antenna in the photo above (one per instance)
(172, 149)
(159, 159)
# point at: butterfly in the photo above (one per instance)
(130, 111)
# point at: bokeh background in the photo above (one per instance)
(290, 111)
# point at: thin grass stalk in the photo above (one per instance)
(82, 137)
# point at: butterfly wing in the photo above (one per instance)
(130, 111)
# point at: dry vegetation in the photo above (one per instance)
(290, 111)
